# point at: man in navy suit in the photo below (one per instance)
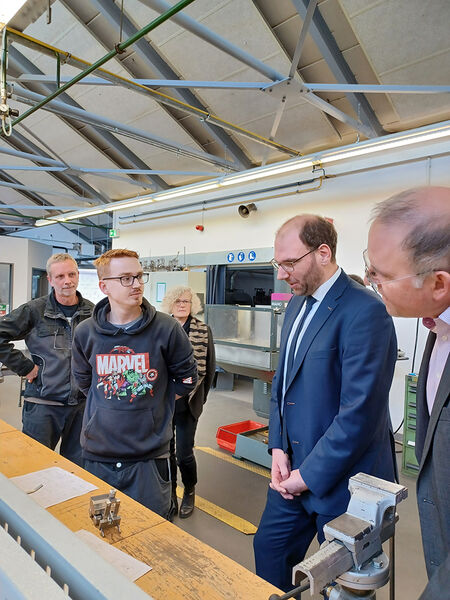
(408, 263)
(329, 414)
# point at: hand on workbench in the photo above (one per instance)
(32, 374)
(281, 470)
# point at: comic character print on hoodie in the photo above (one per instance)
(130, 376)
(124, 374)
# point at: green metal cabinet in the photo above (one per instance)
(409, 462)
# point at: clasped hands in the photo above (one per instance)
(288, 483)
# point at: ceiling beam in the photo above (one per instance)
(103, 141)
(215, 40)
(22, 144)
(79, 114)
(154, 62)
(73, 182)
(247, 85)
(219, 42)
(159, 97)
(324, 40)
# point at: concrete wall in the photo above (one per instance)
(23, 254)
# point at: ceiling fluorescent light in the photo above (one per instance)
(80, 215)
(9, 9)
(125, 205)
(268, 172)
(370, 148)
(42, 222)
(396, 140)
(191, 190)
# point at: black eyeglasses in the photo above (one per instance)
(128, 280)
(288, 265)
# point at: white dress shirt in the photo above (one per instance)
(438, 356)
(319, 295)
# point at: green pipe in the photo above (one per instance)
(117, 50)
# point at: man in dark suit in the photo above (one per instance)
(408, 263)
(329, 414)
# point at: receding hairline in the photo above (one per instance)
(297, 223)
(413, 207)
(422, 215)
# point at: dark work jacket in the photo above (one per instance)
(130, 377)
(48, 336)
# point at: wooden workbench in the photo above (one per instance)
(183, 568)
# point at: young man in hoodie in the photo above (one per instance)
(132, 362)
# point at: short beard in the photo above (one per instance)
(313, 278)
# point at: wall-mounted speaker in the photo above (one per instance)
(245, 209)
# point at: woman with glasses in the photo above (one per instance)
(183, 304)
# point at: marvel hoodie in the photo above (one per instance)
(130, 377)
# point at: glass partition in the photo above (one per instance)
(5, 288)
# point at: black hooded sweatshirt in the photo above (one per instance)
(130, 377)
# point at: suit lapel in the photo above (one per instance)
(441, 398)
(294, 307)
(323, 313)
(423, 416)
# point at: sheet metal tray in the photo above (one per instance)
(253, 445)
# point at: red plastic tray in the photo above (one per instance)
(226, 434)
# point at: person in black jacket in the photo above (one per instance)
(132, 362)
(184, 304)
(53, 406)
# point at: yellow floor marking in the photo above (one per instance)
(240, 463)
(221, 514)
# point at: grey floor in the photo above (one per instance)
(242, 492)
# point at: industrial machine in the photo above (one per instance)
(247, 342)
(351, 563)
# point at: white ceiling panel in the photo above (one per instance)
(377, 41)
(428, 71)
(400, 32)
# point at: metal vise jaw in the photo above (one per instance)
(104, 509)
(354, 538)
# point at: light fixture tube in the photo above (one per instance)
(389, 145)
(120, 206)
(269, 172)
(371, 146)
(177, 193)
(81, 215)
(42, 222)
